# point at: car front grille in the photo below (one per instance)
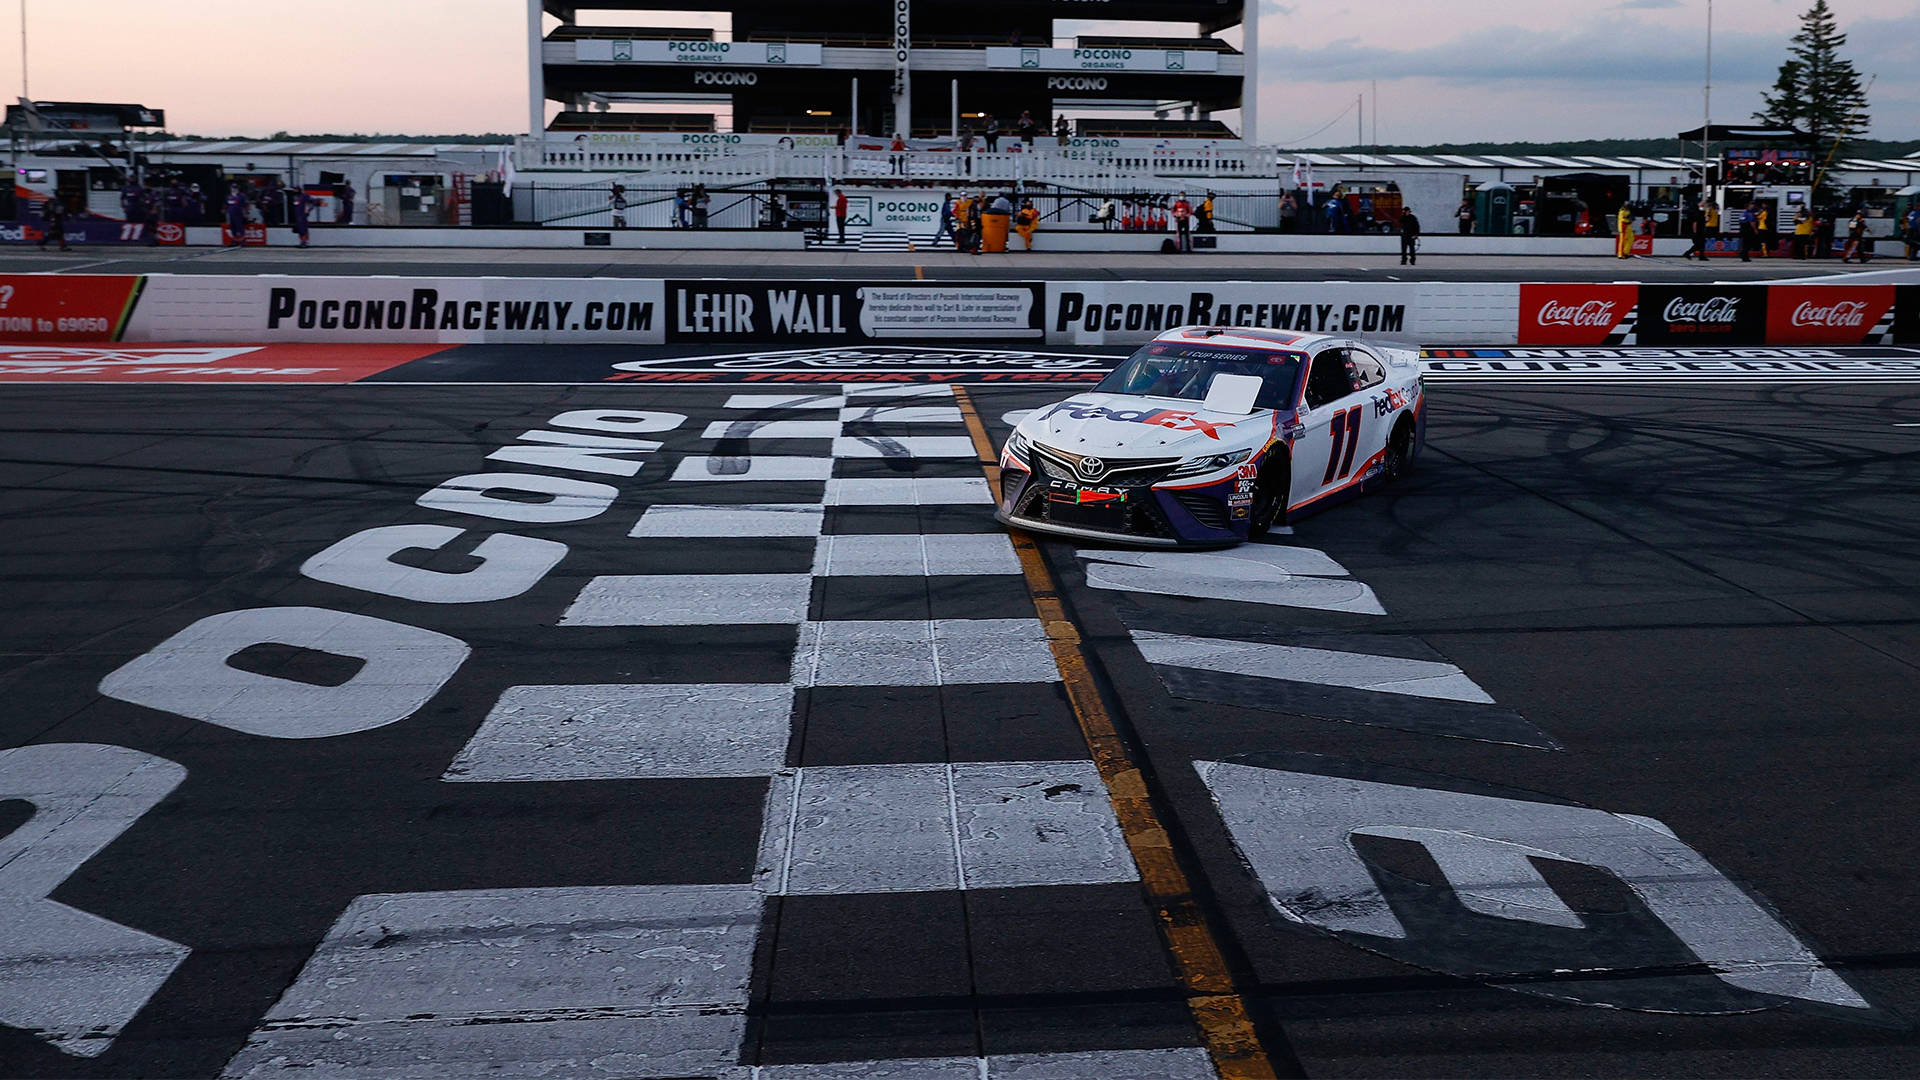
(1057, 464)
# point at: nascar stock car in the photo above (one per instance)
(1210, 436)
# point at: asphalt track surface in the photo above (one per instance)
(1696, 604)
(1038, 265)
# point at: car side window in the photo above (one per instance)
(1328, 381)
(1368, 371)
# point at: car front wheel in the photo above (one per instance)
(1270, 493)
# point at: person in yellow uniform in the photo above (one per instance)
(1026, 221)
(963, 237)
(1802, 234)
(1623, 233)
(1764, 226)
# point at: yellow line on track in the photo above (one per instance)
(1219, 1010)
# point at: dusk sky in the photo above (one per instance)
(1499, 70)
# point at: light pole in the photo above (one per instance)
(24, 92)
(1706, 128)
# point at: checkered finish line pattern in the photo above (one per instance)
(938, 886)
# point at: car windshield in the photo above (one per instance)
(1172, 369)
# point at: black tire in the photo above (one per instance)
(1270, 491)
(1400, 456)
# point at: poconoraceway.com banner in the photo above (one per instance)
(398, 310)
(806, 312)
(1132, 312)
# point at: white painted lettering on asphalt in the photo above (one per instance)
(1358, 671)
(901, 414)
(912, 828)
(630, 732)
(577, 453)
(691, 600)
(746, 519)
(909, 491)
(641, 981)
(560, 499)
(1295, 830)
(787, 401)
(1259, 574)
(189, 674)
(509, 565)
(915, 555)
(758, 467)
(903, 446)
(772, 429)
(940, 652)
(69, 977)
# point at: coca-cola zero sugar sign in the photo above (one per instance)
(1703, 315)
(1573, 314)
(1827, 314)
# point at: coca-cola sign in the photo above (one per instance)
(1574, 314)
(1703, 314)
(1829, 314)
(1719, 309)
(1591, 313)
(1848, 313)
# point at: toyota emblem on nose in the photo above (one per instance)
(1092, 468)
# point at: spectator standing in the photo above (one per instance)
(1749, 221)
(682, 208)
(1409, 238)
(1183, 224)
(702, 206)
(1027, 128)
(54, 210)
(1697, 232)
(946, 221)
(1106, 214)
(1464, 216)
(899, 159)
(993, 134)
(619, 206)
(1025, 221)
(1206, 215)
(840, 212)
(236, 217)
(302, 215)
(1856, 235)
(1289, 213)
(1061, 132)
(1913, 234)
(346, 204)
(1802, 233)
(963, 238)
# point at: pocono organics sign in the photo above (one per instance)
(756, 53)
(1102, 59)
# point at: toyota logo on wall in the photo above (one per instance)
(1092, 468)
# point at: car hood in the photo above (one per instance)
(1131, 426)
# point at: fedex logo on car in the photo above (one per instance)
(1167, 418)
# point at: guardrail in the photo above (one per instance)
(1565, 322)
(868, 157)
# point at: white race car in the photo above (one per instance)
(1212, 435)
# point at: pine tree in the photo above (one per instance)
(1817, 92)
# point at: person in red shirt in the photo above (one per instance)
(1183, 223)
(840, 212)
(899, 156)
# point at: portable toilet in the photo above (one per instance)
(1493, 210)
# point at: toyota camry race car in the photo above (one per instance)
(1211, 436)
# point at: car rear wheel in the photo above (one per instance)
(1270, 493)
(1399, 460)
